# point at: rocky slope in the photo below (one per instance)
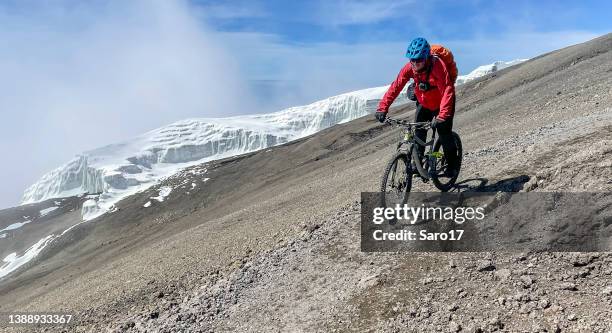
(270, 240)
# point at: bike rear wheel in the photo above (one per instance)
(397, 180)
(444, 183)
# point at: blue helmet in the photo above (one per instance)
(418, 49)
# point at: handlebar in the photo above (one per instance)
(423, 124)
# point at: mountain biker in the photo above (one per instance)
(435, 94)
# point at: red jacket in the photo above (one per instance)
(440, 96)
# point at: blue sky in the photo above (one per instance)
(77, 75)
(361, 43)
(364, 21)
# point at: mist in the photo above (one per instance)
(76, 76)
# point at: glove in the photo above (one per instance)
(380, 116)
(436, 122)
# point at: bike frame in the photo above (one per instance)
(411, 139)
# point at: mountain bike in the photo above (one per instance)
(408, 161)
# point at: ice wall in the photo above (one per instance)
(118, 170)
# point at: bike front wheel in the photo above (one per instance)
(397, 180)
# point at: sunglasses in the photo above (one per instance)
(417, 61)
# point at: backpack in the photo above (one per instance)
(446, 56)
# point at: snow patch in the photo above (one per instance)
(13, 261)
(65, 231)
(16, 225)
(164, 191)
(47, 210)
(3, 235)
(91, 210)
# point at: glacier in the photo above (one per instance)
(116, 171)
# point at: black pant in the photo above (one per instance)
(444, 131)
